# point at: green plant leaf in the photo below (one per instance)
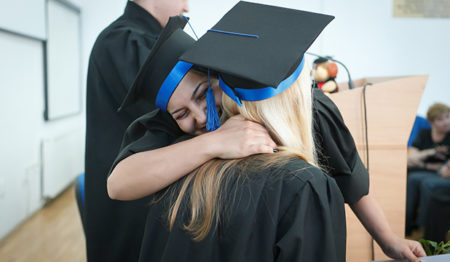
(432, 248)
(446, 250)
(426, 246)
(437, 250)
(433, 244)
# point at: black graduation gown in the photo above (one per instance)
(114, 229)
(337, 152)
(336, 149)
(289, 213)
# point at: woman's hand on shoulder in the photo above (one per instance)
(239, 137)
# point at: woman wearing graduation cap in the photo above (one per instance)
(336, 149)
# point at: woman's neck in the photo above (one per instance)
(437, 135)
(150, 7)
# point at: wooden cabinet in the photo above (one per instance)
(385, 110)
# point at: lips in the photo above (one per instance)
(200, 131)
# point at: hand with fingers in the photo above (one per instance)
(239, 137)
(400, 248)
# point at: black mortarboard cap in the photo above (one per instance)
(161, 72)
(256, 48)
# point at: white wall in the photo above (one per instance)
(23, 128)
(12, 14)
(367, 38)
(21, 107)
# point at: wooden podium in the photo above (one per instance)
(390, 110)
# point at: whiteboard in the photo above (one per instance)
(24, 17)
(63, 60)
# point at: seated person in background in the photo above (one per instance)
(419, 124)
(428, 165)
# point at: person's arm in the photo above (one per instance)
(145, 173)
(372, 217)
(416, 157)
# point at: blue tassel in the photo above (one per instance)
(212, 117)
(212, 120)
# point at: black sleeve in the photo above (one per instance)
(118, 59)
(149, 141)
(337, 151)
(420, 141)
(151, 131)
(313, 227)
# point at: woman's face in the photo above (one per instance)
(442, 123)
(187, 105)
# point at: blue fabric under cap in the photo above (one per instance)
(170, 84)
(263, 93)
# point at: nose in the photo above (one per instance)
(200, 117)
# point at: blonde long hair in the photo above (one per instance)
(287, 117)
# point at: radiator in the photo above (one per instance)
(62, 161)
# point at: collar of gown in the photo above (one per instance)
(141, 16)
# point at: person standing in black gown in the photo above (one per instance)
(116, 57)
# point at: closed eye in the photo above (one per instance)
(202, 95)
(182, 115)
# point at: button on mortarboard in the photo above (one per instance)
(282, 37)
